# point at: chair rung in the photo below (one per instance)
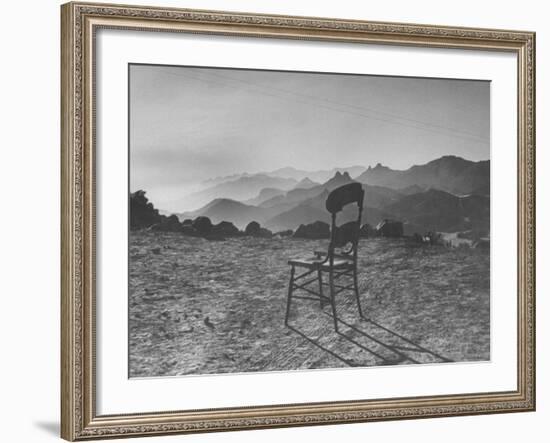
(343, 274)
(346, 272)
(313, 280)
(303, 297)
(306, 289)
(346, 288)
(339, 287)
(305, 274)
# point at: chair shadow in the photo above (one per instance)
(413, 347)
(50, 427)
(314, 342)
(397, 344)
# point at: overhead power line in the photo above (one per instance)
(325, 103)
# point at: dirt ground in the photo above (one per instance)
(206, 307)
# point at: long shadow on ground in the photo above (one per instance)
(370, 344)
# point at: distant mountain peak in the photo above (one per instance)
(339, 179)
(378, 168)
(450, 173)
(448, 156)
(341, 175)
(306, 183)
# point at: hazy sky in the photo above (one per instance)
(189, 124)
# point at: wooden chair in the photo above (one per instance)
(339, 261)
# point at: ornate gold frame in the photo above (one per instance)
(79, 21)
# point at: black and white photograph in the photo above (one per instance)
(284, 221)
(275, 221)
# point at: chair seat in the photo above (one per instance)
(315, 262)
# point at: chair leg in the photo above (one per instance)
(332, 301)
(320, 278)
(356, 289)
(290, 289)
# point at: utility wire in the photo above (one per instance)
(315, 101)
(334, 102)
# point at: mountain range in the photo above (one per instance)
(448, 194)
(449, 173)
(241, 188)
(316, 176)
(289, 172)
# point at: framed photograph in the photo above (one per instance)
(282, 221)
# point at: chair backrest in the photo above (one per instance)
(348, 233)
(344, 195)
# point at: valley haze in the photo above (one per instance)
(448, 194)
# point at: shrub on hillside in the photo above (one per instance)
(202, 225)
(142, 213)
(315, 230)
